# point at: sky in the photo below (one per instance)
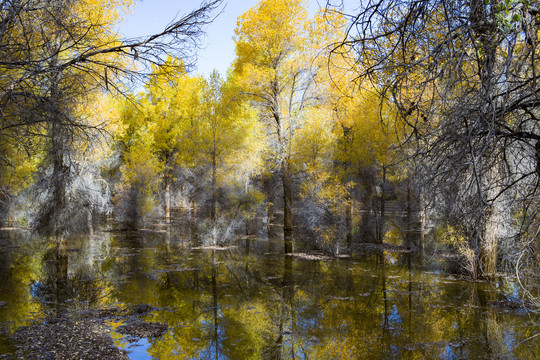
(151, 16)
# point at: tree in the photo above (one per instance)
(188, 125)
(322, 193)
(139, 166)
(369, 132)
(268, 40)
(463, 75)
(228, 136)
(15, 175)
(53, 55)
(277, 67)
(172, 98)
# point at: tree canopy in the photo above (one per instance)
(328, 122)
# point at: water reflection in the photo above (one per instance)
(254, 302)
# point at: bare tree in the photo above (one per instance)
(52, 58)
(463, 75)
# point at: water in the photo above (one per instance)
(252, 302)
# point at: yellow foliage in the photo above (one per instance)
(43, 35)
(370, 131)
(170, 108)
(141, 172)
(18, 174)
(270, 40)
(453, 237)
(229, 135)
(268, 32)
(314, 139)
(279, 63)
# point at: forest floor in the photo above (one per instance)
(83, 335)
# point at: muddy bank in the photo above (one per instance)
(82, 335)
(66, 339)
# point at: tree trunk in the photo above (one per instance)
(193, 220)
(287, 200)
(493, 223)
(168, 237)
(487, 259)
(167, 197)
(270, 213)
(59, 177)
(90, 220)
(422, 220)
(287, 207)
(132, 219)
(213, 210)
(348, 221)
(57, 151)
(380, 224)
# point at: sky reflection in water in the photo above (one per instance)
(251, 302)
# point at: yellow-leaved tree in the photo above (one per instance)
(184, 124)
(230, 139)
(279, 60)
(269, 39)
(60, 88)
(170, 110)
(368, 132)
(54, 56)
(139, 166)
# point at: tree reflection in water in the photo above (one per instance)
(254, 302)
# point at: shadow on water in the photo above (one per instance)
(253, 301)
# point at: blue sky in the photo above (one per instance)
(151, 16)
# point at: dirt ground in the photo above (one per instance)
(82, 335)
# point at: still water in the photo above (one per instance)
(250, 301)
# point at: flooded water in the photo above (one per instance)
(252, 302)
